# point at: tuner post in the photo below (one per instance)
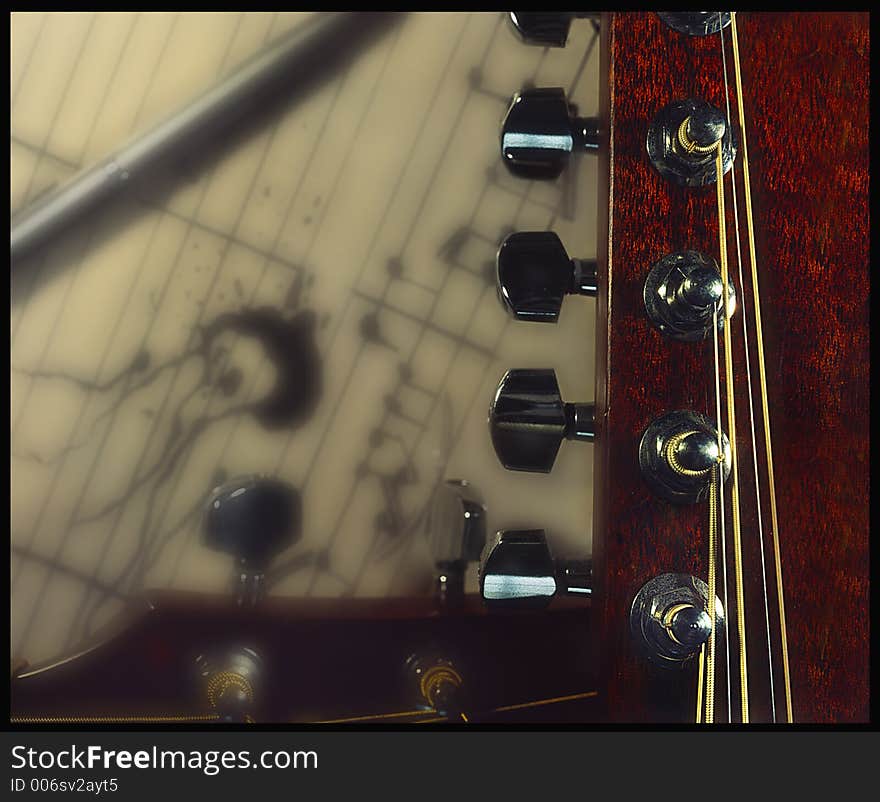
(683, 139)
(677, 453)
(683, 293)
(229, 683)
(438, 684)
(669, 619)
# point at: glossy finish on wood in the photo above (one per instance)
(805, 83)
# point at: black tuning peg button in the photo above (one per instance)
(535, 273)
(540, 132)
(518, 570)
(252, 518)
(528, 420)
(456, 535)
(547, 28)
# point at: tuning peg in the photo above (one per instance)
(677, 452)
(535, 273)
(528, 420)
(669, 618)
(683, 139)
(438, 684)
(517, 569)
(683, 292)
(457, 534)
(547, 28)
(229, 682)
(541, 130)
(253, 518)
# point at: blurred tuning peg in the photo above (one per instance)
(229, 682)
(457, 534)
(252, 518)
(518, 570)
(535, 273)
(541, 130)
(528, 420)
(547, 28)
(438, 683)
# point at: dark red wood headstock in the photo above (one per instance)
(805, 86)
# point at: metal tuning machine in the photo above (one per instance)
(457, 535)
(696, 23)
(540, 132)
(535, 273)
(547, 28)
(518, 571)
(677, 453)
(230, 681)
(682, 142)
(669, 619)
(682, 294)
(437, 683)
(252, 518)
(528, 420)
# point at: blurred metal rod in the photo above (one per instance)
(295, 60)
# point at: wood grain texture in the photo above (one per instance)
(805, 86)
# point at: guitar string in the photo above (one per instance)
(720, 501)
(731, 420)
(762, 373)
(744, 319)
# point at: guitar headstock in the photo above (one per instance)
(508, 630)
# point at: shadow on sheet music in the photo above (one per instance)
(316, 66)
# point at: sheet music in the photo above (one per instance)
(318, 304)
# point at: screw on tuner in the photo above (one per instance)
(540, 132)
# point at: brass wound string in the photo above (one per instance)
(713, 538)
(719, 494)
(750, 395)
(762, 373)
(731, 418)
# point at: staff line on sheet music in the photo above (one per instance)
(37, 269)
(68, 529)
(88, 138)
(72, 277)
